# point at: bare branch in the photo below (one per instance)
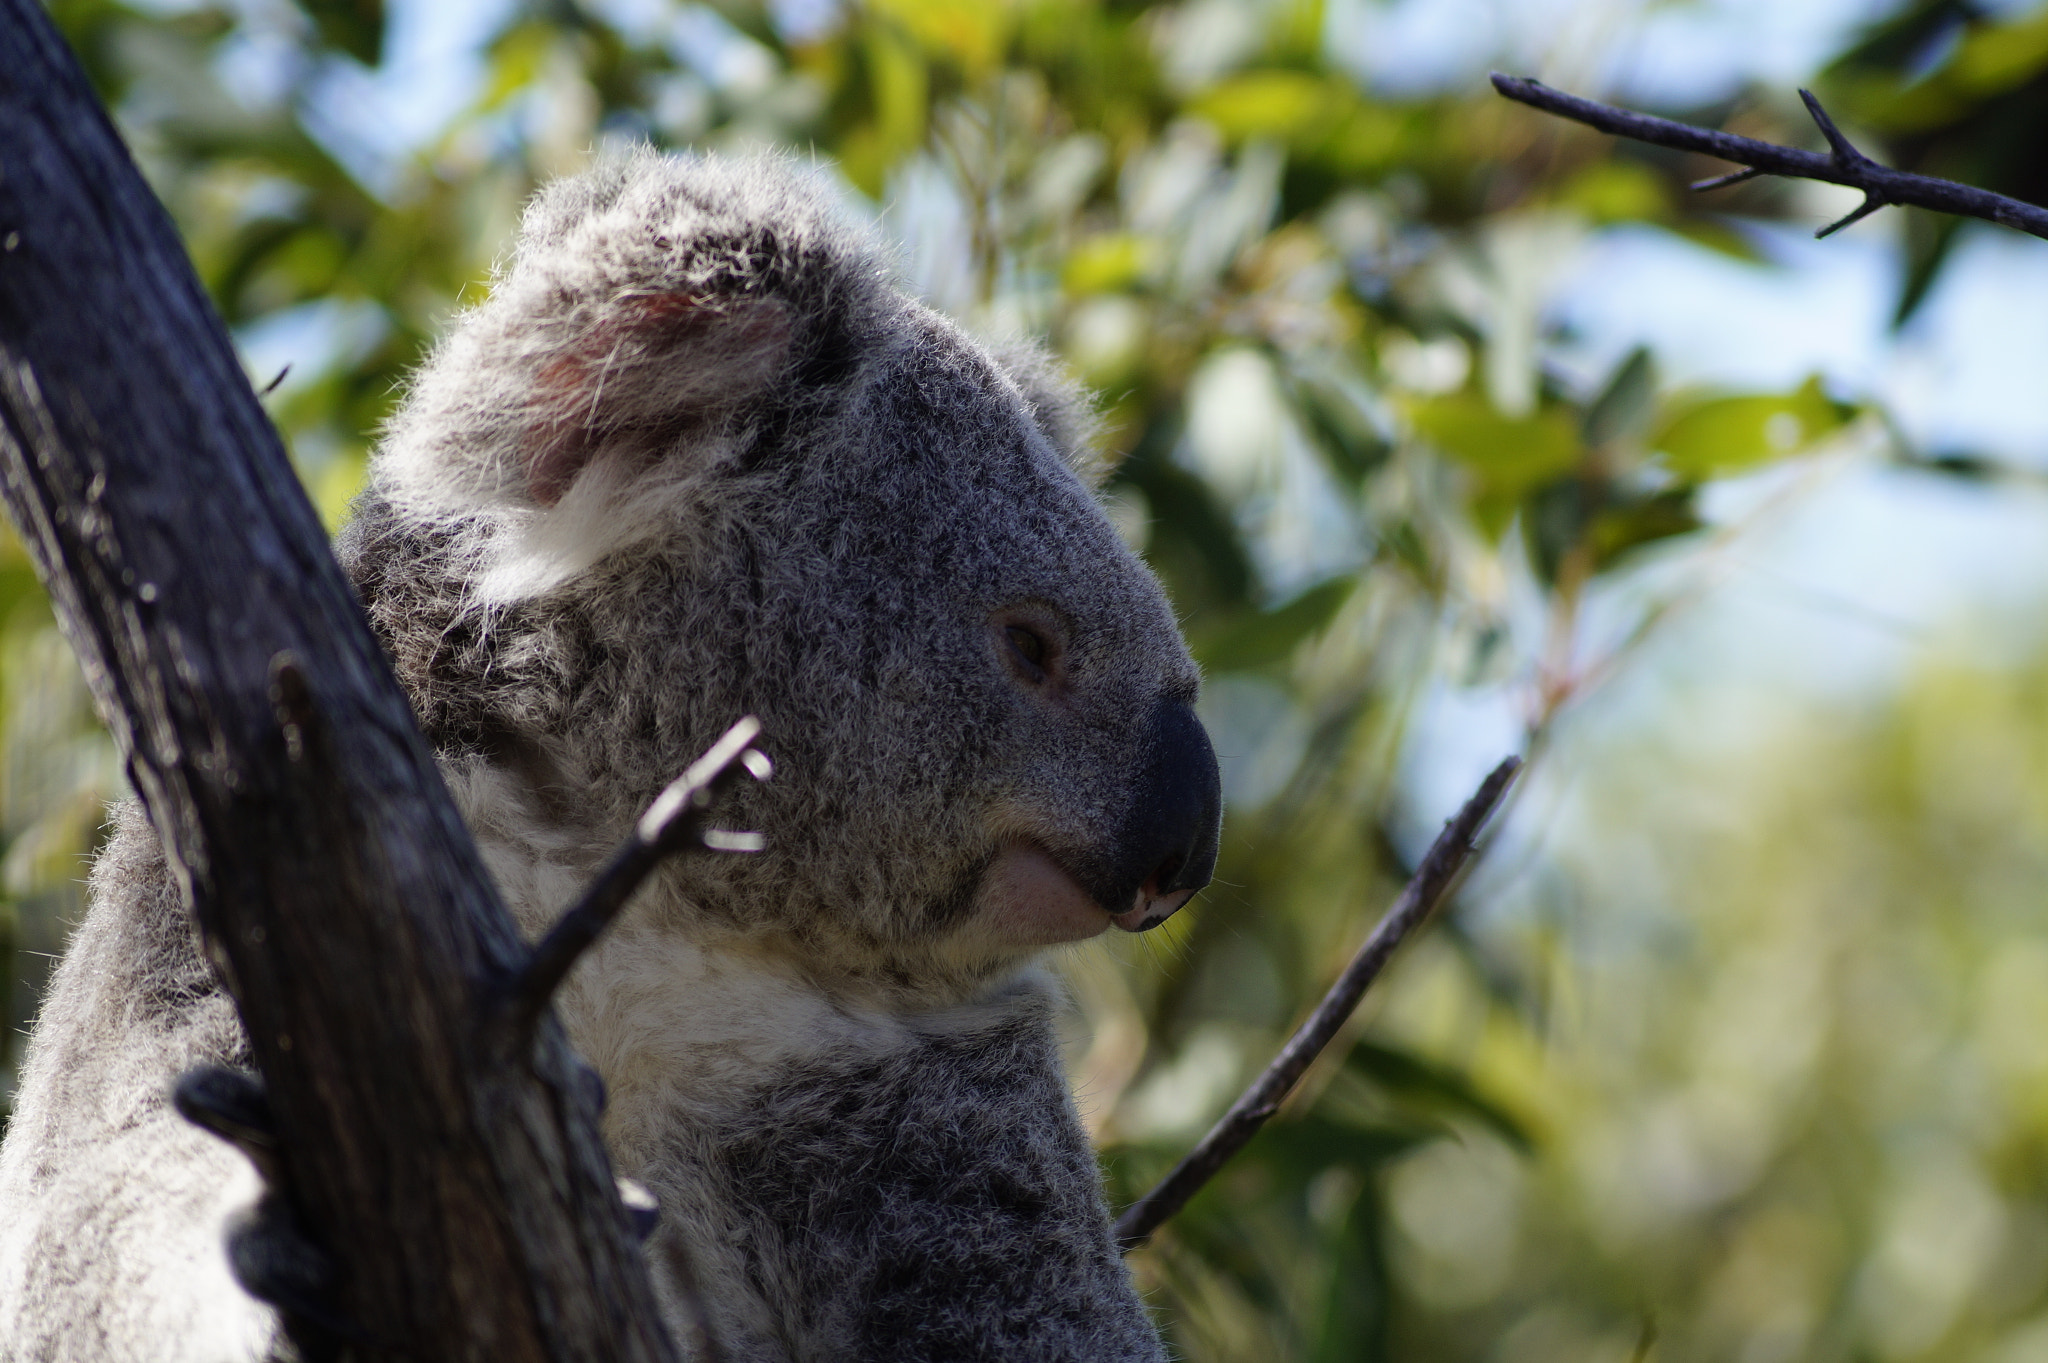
(674, 822)
(1842, 165)
(1447, 856)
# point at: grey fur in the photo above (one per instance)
(696, 456)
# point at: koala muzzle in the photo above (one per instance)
(1166, 849)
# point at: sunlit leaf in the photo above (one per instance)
(1704, 438)
(516, 59)
(970, 32)
(1998, 56)
(1616, 191)
(1106, 263)
(899, 86)
(1369, 138)
(1718, 236)
(1509, 452)
(1275, 104)
(336, 486)
(17, 575)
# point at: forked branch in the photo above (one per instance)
(674, 822)
(1843, 164)
(1447, 856)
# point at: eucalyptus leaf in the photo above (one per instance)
(1711, 437)
(1414, 1078)
(1510, 453)
(1271, 636)
(1626, 403)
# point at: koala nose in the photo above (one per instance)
(1167, 847)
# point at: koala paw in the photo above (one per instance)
(270, 1251)
(276, 1260)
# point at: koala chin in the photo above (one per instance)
(697, 456)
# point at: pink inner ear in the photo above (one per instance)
(658, 360)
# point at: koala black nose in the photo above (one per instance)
(1167, 847)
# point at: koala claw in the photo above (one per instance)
(277, 1260)
(232, 1105)
(643, 1209)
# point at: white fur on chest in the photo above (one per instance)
(683, 1032)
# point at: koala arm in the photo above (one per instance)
(934, 1204)
(111, 1248)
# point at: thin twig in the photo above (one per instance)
(1446, 858)
(1841, 165)
(1723, 181)
(675, 822)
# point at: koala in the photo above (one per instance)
(698, 456)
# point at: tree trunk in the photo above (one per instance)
(456, 1173)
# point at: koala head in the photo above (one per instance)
(697, 457)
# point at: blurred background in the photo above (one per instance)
(1454, 431)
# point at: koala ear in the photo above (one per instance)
(649, 371)
(613, 377)
(538, 388)
(568, 430)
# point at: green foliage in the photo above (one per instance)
(1269, 637)
(1314, 315)
(1709, 436)
(1789, 1091)
(1956, 90)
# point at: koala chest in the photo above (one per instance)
(855, 1186)
(842, 1182)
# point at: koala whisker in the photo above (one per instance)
(1168, 943)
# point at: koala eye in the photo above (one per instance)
(1031, 644)
(1030, 647)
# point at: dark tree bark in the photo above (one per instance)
(449, 1156)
